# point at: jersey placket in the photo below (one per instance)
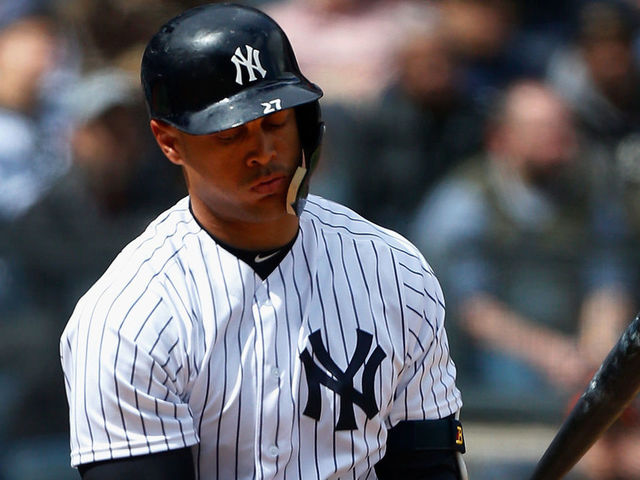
(269, 451)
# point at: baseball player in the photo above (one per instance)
(250, 331)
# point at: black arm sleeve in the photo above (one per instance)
(419, 465)
(423, 450)
(168, 465)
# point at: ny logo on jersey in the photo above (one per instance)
(250, 61)
(341, 382)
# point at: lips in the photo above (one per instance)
(270, 184)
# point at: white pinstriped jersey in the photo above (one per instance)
(297, 376)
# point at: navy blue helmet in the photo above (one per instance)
(218, 66)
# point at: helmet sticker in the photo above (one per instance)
(251, 61)
(272, 106)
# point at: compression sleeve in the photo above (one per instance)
(417, 465)
(426, 449)
(158, 466)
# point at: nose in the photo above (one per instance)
(262, 148)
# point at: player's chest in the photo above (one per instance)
(303, 344)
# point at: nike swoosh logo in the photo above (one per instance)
(263, 258)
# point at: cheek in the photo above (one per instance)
(203, 166)
(289, 146)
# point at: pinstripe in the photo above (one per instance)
(260, 390)
(324, 324)
(375, 334)
(198, 463)
(376, 232)
(104, 417)
(384, 315)
(300, 309)
(191, 318)
(169, 283)
(335, 297)
(260, 368)
(258, 395)
(115, 379)
(277, 365)
(133, 369)
(344, 342)
(102, 337)
(287, 315)
(431, 374)
(443, 353)
(197, 325)
(74, 435)
(239, 419)
(211, 289)
(164, 432)
(357, 320)
(433, 393)
(224, 381)
(402, 322)
(208, 366)
(384, 309)
(175, 414)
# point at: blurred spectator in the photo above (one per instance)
(509, 233)
(347, 46)
(599, 76)
(481, 33)
(33, 147)
(500, 41)
(115, 32)
(598, 73)
(422, 127)
(116, 185)
(112, 31)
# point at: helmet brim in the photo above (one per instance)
(247, 105)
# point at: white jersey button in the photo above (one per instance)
(273, 451)
(275, 371)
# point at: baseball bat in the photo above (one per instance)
(609, 392)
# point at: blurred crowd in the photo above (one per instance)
(502, 137)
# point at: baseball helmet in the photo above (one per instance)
(218, 66)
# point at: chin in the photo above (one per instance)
(271, 208)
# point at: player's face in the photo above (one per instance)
(241, 174)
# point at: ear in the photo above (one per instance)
(168, 139)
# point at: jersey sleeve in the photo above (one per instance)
(126, 371)
(427, 386)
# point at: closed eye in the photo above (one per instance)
(275, 125)
(278, 119)
(230, 134)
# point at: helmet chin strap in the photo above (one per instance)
(295, 201)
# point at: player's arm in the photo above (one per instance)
(424, 450)
(127, 386)
(167, 465)
(431, 448)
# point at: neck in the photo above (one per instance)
(247, 235)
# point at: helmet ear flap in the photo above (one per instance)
(311, 130)
(310, 127)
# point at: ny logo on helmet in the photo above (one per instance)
(251, 61)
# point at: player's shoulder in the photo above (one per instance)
(331, 218)
(159, 242)
(175, 221)
(136, 270)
